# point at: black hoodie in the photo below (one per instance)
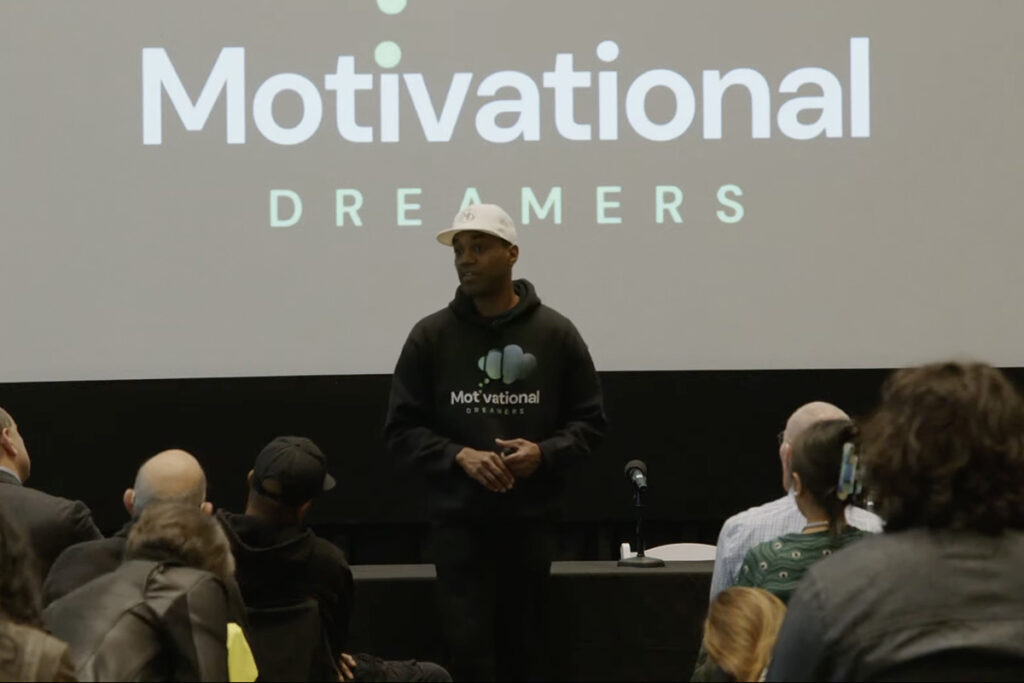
(464, 380)
(283, 565)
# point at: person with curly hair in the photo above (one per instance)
(740, 632)
(27, 653)
(940, 594)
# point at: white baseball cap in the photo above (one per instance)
(488, 218)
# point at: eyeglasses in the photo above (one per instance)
(782, 437)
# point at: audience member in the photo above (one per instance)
(50, 524)
(743, 531)
(740, 632)
(163, 614)
(281, 562)
(26, 652)
(818, 454)
(169, 476)
(939, 595)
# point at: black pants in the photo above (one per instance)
(492, 585)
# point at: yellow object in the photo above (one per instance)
(241, 665)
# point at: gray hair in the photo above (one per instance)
(184, 532)
(6, 421)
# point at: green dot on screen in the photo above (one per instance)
(391, 6)
(387, 54)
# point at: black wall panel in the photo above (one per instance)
(709, 439)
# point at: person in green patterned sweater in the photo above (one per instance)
(818, 457)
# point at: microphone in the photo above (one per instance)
(636, 473)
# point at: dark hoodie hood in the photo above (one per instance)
(266, 553)
(462, 306)
(286, 564)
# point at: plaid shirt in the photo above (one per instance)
(743, 531)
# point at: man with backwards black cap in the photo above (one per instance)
(280, 562)
(493, 397)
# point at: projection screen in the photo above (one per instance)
(215, 189)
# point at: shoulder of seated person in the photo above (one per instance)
(772, 547)
(329, 551)
(862, 557)
(81, 551)
(58, 504)
(752, 516)
(24, 632)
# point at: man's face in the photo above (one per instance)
(483, 262)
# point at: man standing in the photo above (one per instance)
(492, 399)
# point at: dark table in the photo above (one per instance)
(606, 622)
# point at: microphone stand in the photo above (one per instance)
(641, 560)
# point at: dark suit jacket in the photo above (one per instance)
(83, 562)
(50, 523)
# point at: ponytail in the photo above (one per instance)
(824, 456)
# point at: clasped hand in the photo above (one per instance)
(498, 473)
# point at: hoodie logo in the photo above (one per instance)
(508, 364)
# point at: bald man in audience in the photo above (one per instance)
(50, 523)
(169, 476)
(743, 531)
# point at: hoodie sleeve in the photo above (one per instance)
(408, 429)
(582, 408)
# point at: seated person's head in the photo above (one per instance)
(288, 473)
(740, 631)
(945, 449)
(19, 588)
(817, 461)
(181, 533)
(173, 476)
(802, 418)
(13, 452)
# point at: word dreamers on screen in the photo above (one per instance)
(509, 118)
(286, 206)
